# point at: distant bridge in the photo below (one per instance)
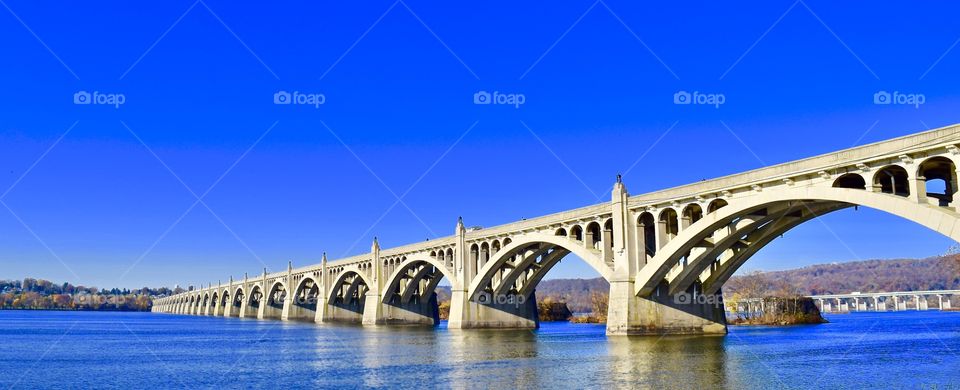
(652, 248)
(884, 301)
(879, 301)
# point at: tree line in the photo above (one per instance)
(39, 294)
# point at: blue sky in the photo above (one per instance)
(107, 195)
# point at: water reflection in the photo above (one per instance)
(673, 361)
(495, 355)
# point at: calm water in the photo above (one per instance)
(140, 350)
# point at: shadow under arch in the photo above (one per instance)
(348, 290)
(306, 296)
(409, 294)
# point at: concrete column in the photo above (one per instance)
(606, 246)
(244, 304)
(896, 303)
(372, 307)
(228, 304)
(206, 305)
(463, 269)
(940, 300)
(918, 187)
(288, 300)
(322, 310)
(261, 309)
(216, 305)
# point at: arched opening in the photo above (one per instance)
(850, 180)
(691, 214)
(607, 241)
(411, 295)
(205, 305)
(752, 226)
(576, 233)
(305, 299)
(275, 301)
(237, 303)
(475, 256)
(560, 232)
(505, 289)
(224, 303)
(348, 297)
(939, 178)
(214, 302)
(893, 179)
(255, 301)
(646, 237)
(715, 205)
(484, 253)
(669, 226)
(449, 258)
(593, 236)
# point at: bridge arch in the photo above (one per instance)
(940, 219)
(306, 296)
(892, 179)
(538, 244)
(937, 174)
(394, 286)
(850, 180)
(349, 288)
(716, 204)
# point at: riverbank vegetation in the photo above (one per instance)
(793, 310)
(39, 294)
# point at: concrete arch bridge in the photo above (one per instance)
(666, 254)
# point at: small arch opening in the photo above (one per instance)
(850, 180)
(892, 180)
(717, 204)
(940, 179)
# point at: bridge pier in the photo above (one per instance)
(418, 312)
(268, 311)
(329, 313)
(661, 313)
(508, 312)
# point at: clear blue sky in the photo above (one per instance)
(108, 204)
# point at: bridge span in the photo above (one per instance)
(652, 248)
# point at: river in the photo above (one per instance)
(41, 349)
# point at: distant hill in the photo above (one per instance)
(937, 273)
